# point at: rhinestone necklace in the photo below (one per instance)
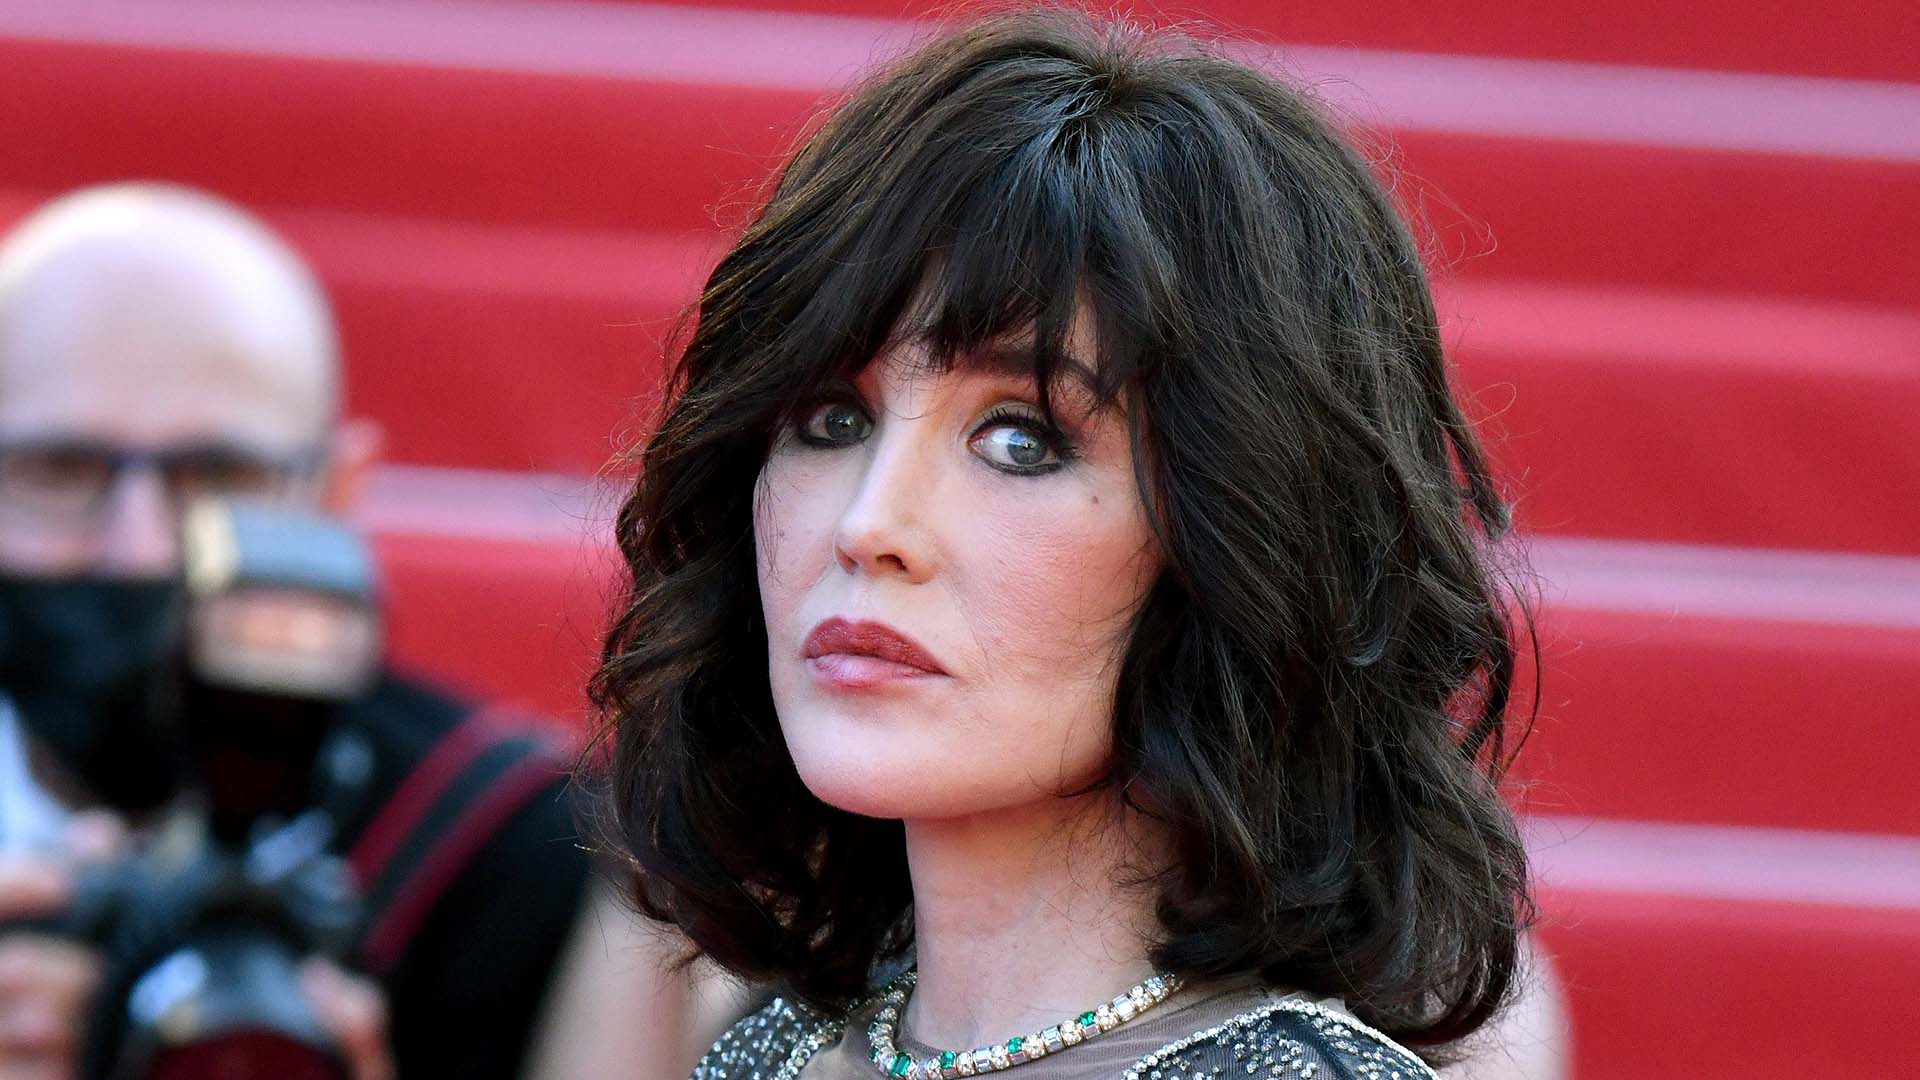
(952, 1064)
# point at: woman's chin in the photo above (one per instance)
(903, 784)
(886, 761)
(871, 790)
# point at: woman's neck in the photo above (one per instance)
(1024, 918)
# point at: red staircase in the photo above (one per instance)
(1676, 262)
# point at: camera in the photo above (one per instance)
(203, 930)
(201, 948)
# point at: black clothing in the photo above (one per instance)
(467, 986)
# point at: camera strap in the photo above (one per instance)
(486, 768)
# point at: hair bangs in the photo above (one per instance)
(981, 248)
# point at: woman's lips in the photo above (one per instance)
(848, 672)
(855, 655)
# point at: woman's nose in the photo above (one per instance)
(884, 528)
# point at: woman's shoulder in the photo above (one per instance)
(1290, 1038)
(762, 1044)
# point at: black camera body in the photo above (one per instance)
(204, 930)
(201, 946)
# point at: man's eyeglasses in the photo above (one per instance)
(68, 480)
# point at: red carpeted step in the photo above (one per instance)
(1639, 216)
(1695, 418)
(1713, 685)
(1676, 178)
(1867, 40)
(1732, 953)
(498, 583)
(1717, 991)
(514, 145)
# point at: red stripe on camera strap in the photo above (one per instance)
(476, 777)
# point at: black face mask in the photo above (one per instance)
(89, 665)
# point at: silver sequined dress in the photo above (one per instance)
(1257, 1035)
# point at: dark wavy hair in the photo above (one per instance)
(1313, 698)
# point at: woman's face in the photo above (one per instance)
(948, 588)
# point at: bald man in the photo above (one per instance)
(157, 344)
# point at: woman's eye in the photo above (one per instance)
(1016, 447)
(835, 423)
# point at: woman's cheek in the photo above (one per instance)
(786, 534)
(1054, 581)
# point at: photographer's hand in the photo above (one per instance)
(354, 1010)
(46, 982)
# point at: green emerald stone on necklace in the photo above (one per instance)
(1014, 1044)
(947, 1059)
(1086, 1018)
(901, 1063)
